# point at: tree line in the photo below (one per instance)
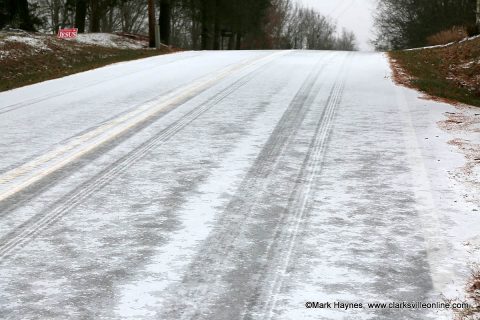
(408, 23)
(189, 24)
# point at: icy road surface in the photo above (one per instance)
(228, 185)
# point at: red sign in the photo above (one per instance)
(67, 33)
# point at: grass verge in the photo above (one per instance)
(473, 296)
(450, 72)
(22, 64)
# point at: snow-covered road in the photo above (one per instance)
(229, 185)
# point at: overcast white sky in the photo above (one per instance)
(355, 15)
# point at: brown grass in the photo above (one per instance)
(21, 64)
(473, 299)
(447, 36)
(450, 73)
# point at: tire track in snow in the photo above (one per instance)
(437, 249)
(26, 232)
(301, 196)
(37, 169)
(27, 103)
(218, 251)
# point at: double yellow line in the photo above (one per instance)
(33, 171)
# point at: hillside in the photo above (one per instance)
(27, 58)
(449, 71)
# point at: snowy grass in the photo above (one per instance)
(27, 58)
(38, 43)
(473, 298)
(447, 44)
(110, 40)
(449, 71)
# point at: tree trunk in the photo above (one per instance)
(478, 15)
(216, 36)
(194, 35)
(95, 16)
(165, 21)
(216, 26)
(151, 23)
(55, 17)
(205, 21)
(238, 45)
(17, 11)
(231, 42)
(80, 14)
(24, 15)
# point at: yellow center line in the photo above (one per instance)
(108, 131)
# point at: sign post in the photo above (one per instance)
(67, 33)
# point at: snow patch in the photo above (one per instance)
(445, 45)
(468, 65)
(109, 40)
(3, 54)
(37, 43)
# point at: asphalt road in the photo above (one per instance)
(217, 185)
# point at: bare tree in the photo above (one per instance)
(206, 24)
(56, 13)
(277, 26)
(406, 23)
(296, 27)
(132, 15)
(346, 42)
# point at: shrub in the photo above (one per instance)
(451, 35)
(472, 30)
